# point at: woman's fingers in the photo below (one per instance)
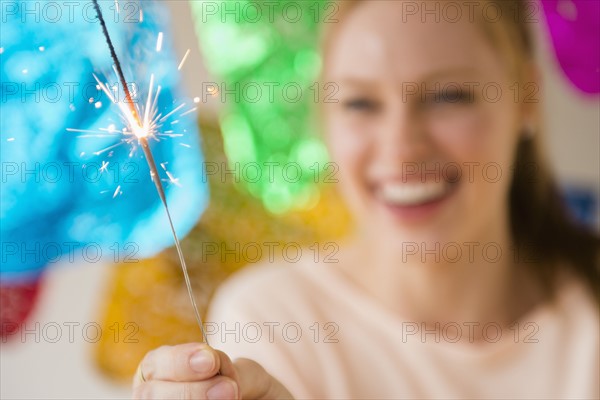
(184, 363)
(256, 383)
(216, 388)
(196, 371)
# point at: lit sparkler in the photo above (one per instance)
(139, 127)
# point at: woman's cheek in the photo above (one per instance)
(348, 141)
(349, 149)
(460, 131)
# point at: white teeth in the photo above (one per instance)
(406, 194)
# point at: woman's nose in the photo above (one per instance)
(402, 137)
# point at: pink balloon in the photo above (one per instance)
(574, 27)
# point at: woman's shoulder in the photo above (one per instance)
(266, 276)
(268, 285)
(576, 303)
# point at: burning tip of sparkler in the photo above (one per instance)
(41, 48)
(139, 131)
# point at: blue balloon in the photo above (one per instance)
(62, 199)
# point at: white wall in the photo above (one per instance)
(57, 363)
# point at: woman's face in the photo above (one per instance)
(423, 139)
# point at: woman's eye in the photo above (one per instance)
(361, 104)
(458, 97)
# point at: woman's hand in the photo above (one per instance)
(196, 371)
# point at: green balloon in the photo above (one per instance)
(265, 54)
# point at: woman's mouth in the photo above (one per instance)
(415, 200)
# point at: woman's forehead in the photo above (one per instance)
(375, 39)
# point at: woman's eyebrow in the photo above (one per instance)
(359, 83)
(458, 73)
(468, 73)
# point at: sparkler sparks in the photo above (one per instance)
(185, 56)
(159, 42)
(141, 125)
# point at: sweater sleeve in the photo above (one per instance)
(244, 322)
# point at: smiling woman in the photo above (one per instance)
(468, 94)
(464, 276)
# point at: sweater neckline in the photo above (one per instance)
(352, 297)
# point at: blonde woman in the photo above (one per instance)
(464, 277)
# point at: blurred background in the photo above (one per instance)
(90, 281)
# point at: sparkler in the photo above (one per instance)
(142, 128)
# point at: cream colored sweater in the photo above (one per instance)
(323, 338)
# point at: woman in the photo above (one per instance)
(464, 277)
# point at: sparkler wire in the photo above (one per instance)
(152, 165)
